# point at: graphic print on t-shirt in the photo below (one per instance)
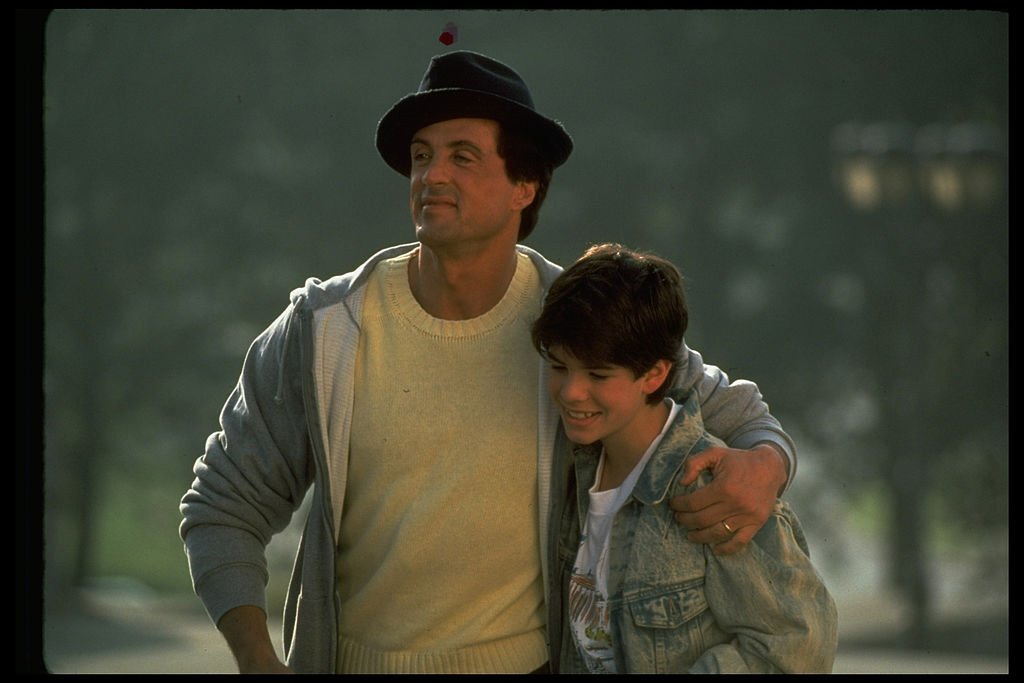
(589, 616)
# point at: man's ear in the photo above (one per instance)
(526, 192)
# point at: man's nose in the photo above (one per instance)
(435, 172)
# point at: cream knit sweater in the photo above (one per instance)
(438, 562)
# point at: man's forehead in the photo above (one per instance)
(476, 131)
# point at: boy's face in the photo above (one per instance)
(607, 404)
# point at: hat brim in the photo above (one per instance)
(415, 111)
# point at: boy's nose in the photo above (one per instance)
(572, 389)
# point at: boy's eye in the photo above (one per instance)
(598, 376)
(555, 367)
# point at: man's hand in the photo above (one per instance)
(730, 510)
(245, 629)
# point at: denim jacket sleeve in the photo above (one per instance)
(771, 598)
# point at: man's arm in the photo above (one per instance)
(245, 630)
(749, 474)
(252, 476)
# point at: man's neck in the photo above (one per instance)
(460, 288)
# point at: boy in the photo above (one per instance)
(631, 594)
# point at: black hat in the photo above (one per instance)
(466, 84)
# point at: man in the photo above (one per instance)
(408, 395)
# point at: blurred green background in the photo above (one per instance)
(833, 185)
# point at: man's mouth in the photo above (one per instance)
(427, 202)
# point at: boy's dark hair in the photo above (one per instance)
(617, 306)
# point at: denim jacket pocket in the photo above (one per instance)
(662, 630)
(667, 608)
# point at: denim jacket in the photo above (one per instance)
(675, 605)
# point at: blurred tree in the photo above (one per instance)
(935, 328)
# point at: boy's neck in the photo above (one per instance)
(624, 450)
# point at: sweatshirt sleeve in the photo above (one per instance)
(252, 476)
(773, 601)
(734, 411)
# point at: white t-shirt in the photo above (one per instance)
(589, 617)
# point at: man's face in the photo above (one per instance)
(459, 190)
